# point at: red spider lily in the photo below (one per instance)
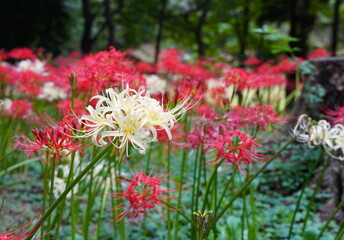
(237, 76)
(143, 192)
(22, 54)
(21, 109)
(256, 116)
(18, 109)
(235, 147)
(337, 116)
(252, 61)
(54, 139)
(3, 55)
(206, 112)
(203, 131)
(318, 53)
(177, 134)
(65, 106)
(21, 232)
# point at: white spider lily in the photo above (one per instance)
(321, 134)
(121, 118)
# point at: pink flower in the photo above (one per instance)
(143, 192)
(235, 147)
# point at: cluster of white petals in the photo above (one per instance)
(5, 104)
(36, 66)
(155, 84)
(50, 92)
(127, 117)
(321, 134)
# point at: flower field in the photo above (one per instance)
(104, 146)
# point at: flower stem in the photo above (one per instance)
(169, 233)
(302, 191)
(329, 219)
(228, 205)
(69, 188)
(341, 232)
(102, 207)
(213, 176)
(311, 201)
(52, 181)
(180, 194)
(225, 190)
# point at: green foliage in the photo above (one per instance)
(314, 94)
(278, 42)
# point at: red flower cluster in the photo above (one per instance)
(252, 61)
(54, 139)
(22, 54)
(19, 109)
(256, 116)
(144, 192)
(235, 147)
(319, 52)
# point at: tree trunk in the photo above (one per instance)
(328, 77)
(335, 25)
(109, 23)
(199, 28)
(160, 29)
(244, 32)
(86, 42)
(301, 24)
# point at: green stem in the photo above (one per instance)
(228, 205)
(121, 224)
(194, 181)
(69, 177)
(243, 215)
(225, 190)
(329, 219)
(52, 181)
(86, 221)
(148, 157)
(212, 177)
(180, 194)
(302, 191)
(18, 165)
(69, 188)
(169, 232)
(341, 232)
(179, 211)
(252, 230)
(102, 207)
(311, 201)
